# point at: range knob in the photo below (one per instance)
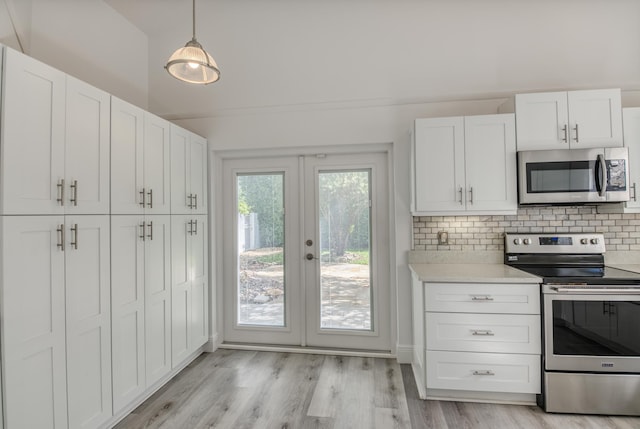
(516, 241)
(526, 241)
(594, 241)
(584, 241)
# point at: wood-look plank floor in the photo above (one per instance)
(245, 389)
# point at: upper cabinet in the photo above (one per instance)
(188, 172)
(464, 165)
(55, 141)
(140, 163)
(569, 120)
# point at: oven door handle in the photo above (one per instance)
(608, 290)
(601, 175)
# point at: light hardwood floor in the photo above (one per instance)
(245, 389)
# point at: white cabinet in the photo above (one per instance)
(141, 297)
(55, 141)
(188, 172)
(140, 161)
(464, 165)
(564, 120)
(189, 293)
(56, 340)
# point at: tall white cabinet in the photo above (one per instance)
(188, 172)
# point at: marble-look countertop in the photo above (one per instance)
(471, 273)
(627, 267)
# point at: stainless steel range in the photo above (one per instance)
(591, 323)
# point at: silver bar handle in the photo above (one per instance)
(481, 298)
(482, 332)
(483, 372)
(605, 290)
(190, 231)
(150, 225)
(74, 193)
(564, 130)
(576, 130)
(60, 231)
(635, 191)
(195, 198)
(471, 194)
(195, 227)
(74, 236)
(190, 202)
(150, 194)
(143, 228)
(460, 192)
(60, 186)
(142, 197)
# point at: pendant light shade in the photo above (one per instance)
(192, 63)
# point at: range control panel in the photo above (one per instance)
(554, 243)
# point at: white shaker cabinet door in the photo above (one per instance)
(33, 325)
(157, 165)
(88, 317)
(33, 121)
(87, 149)
(595, 118)
(542, 121)
(127, 309)
(631, 118)
(127, 164)
(181, 227)
(198, 173)
(198, 255)
(157, 290)
(181, 197)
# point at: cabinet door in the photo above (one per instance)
(87, 149)
(33, 322)
(181, 230)
(33, 115)
(127, 133)
(157, 165)
(198, 154)
(631, 118)
(157, 291)
(439, 164)
(88, 318)
(595, 118)
(542, 121)
(180, 181)
(490, 160)
(127, 309)
(199, 267)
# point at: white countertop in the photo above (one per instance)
(472, 273)
(627, 267)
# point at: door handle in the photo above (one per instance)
(60, 231)
(483, 372)
(460, 192)
(195, 198)
(601, 175)
(471, 195)
(150, 225)
(74, 193)
(60, 187)
(190, 202)
(74, 236)
(142, 197)
(310, 257)
(150, 194)
(142, 228)
(634, 191)
(482, 332)
(481, 298)
(564, 130)
(576, 137)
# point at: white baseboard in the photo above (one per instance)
(212, 345)
(404, 353)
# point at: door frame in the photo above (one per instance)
(217, 229)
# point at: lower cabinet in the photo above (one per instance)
(479, 341)
(56, 321)
(189, 292)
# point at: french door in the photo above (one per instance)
(306, 255)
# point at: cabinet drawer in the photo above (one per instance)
(483, 372)
(483, 298)
(500, 333)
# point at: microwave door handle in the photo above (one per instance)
(601, 175)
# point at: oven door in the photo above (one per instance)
(592, 330)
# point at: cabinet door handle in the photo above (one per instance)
(195, 227)
(74, 236)
(190, 230)
(150, 225)
(471, 195)
(483, 372)
(143, 226)
(564, 130)
(482, 332)
(150, 194)
(481, 298)
(190, 201)
(60, 231)
(60, 186)
(195, 198)
(635, 192)
(576, 137)
(460, 192)
(142, 197)
(74, 193)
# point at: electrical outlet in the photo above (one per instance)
(443, 237)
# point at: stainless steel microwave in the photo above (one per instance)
(573, 176)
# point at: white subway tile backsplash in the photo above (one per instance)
(478, 233)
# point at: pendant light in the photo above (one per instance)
(192, 63)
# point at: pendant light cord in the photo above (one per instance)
(194, 19)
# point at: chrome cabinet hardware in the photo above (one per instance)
(142, 197)
(190, 231)
(460, 192)
(190, 202)
(195, 227)
(74, 236)
(60, 231)
(482, 332)
(195, 199)
(576, 137)
(150, 194)
(143, 227)
(483, 372)
(150, 225)
(471, 195)
(60, 186)
(481, 298)
(564, 130)
(634, 191)
(74, 193)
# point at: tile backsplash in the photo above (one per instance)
(470, 233)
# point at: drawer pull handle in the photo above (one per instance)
(482, 332)
(483, 372)
(481, 298)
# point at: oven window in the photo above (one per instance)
(596, 328)
(553, 177)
